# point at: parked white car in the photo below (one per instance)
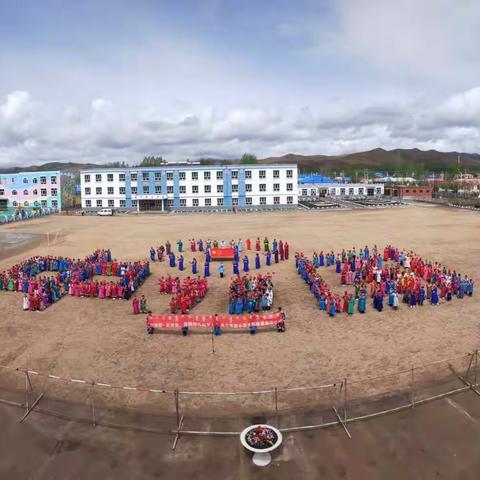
(104, 212)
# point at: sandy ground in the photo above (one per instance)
(101, 340)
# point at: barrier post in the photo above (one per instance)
(412, 384)
(94, 422)
(176, 395)
(276, 407)
(27, 381)
(476, 367)
(345, 401)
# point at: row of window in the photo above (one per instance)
(183, 175)
(43, 180)
(43, 192)
(183, 189)
(43, 203)
(208, 202)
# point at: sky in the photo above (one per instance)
(104, 80)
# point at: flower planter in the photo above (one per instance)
(261, 440)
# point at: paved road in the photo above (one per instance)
(439, 440)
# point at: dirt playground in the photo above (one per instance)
(101, 340)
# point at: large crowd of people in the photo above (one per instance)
(250, 293)
(45, 280)
(265, 253)
(390, 274)
(186, 293)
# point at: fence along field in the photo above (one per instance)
(292, 409)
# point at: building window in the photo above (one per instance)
(304, 192)
(98, 190)
(289, 187)
(183, 189)
(263, 187)
(158, 189)
(248, 200)
(262, 173)
(2, 192)
(14, 192)
(207, 189)
(208, 202)
(219, 175)
(276, 187)
(170, 189)
(276, 200)
(88, 203)
(145, 189)
(121, 190)
(98, 178)
(121, 177)
(26, 204)
(195, 176)
(110, 190)
(182, 175)
(43, 180)
(54, 192)
(145, 176)
(219, 188)
(170, 202)
(234, 174)
(86, 178)
(350, 191)
(195, 202)
(379, 191)
(183, 202)
(25, 180)
(123, 203)
(333, 192)
(234, 201)
(234, 188)
(43, 192)
(248, 187)
(276, 174)
(25, 192)
(289, 199)
(44, 203)
(99, 203)
(248, 174)
(134, 190)
(169, 175)
(133, 177)
(263, 200)
(158, 176)
(111, 203)
(14, 203)
(35, 192)
(134, 203)
(360, 191)
(53, 180)
(194, 188)
(220, 202)
(36, 181)
(206, 175)
(289, 173)
(342, 191)
(109, 177)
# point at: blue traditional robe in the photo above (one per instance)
(257, 261)
(235, 268)
(206, 270)
(180, 263)
(194, 267)
(245, 264)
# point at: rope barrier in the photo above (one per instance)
(254, 392)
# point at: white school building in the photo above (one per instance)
(189, 186)
(308, 191)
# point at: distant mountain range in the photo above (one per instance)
(383, 160)
(398, 160)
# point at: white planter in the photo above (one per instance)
(261, 456)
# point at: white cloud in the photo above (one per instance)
(32, 132)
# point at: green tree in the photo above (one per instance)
(152, 161)
(248, 159)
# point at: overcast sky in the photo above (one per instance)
(117, 80)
